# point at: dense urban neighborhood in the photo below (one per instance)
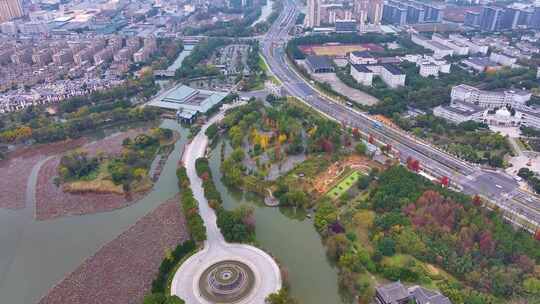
(270, 151)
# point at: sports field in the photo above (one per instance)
(344, 185)
(337, 50)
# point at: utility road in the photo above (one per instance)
(498, 186)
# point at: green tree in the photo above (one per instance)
(532, 286)
(280, 297)
(360, 148)
(387, 246)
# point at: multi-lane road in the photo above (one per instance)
(499, 187)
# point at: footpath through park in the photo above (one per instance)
(185, 283)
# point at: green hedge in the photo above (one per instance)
(233, 224)
(190, 207)
(168, 264)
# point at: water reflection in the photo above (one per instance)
(290, 237)
(35, 255)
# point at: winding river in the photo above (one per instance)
(35, 255)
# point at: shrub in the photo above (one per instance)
(190, 207)
(168, 265)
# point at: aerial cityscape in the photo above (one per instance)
(270, 151)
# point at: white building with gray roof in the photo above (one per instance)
(188, 102)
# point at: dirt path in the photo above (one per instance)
(17, 168)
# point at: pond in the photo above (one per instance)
(291, 238)
(35, 255)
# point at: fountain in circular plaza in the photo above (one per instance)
(226, 282)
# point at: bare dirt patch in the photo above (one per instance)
(122, 271)
(324, 181)
(351, 93)
(338, 50)
(111, 144)
(16, 169)
(53, 202)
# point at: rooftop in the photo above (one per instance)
(362, 54)
(319, 62)
(483, 61)
(426, 296)
(440, 46)
(188, 101)
(361, 68)
(394, 70)
(393, 292)
(465, 109)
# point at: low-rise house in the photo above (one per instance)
(392, 75)
(429, 66)
(458, 48)
(422, 295)
(393, 293)
(396, 293)
(502, 59)
(439, 50)
(474, 48)
(481, 64)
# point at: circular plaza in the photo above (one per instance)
(224, 273)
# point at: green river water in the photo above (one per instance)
(291, 238)
(35, 255)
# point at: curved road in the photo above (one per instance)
(185, 281)
(497, 186)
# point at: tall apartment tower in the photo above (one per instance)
(10, 9)
(314, 13)
(375, 10)
(360, 11)
(490, 19)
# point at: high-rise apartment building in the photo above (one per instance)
(534, 22)
(360, 11)
(10, 9)
(314, 13)
(394, 13)
(491, 18)
(472, 19)
(411, 12)
(375, 11)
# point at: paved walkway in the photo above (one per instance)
(185, 281)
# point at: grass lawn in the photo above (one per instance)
(344, 185)
(302, 174)
(99, 182)
(274, 80)
(431, 273)
(262, 64)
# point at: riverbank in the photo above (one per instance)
(122, 271)
(16, 169)
(216, 249)
(54, 201)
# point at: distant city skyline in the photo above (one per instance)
(10, 9)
